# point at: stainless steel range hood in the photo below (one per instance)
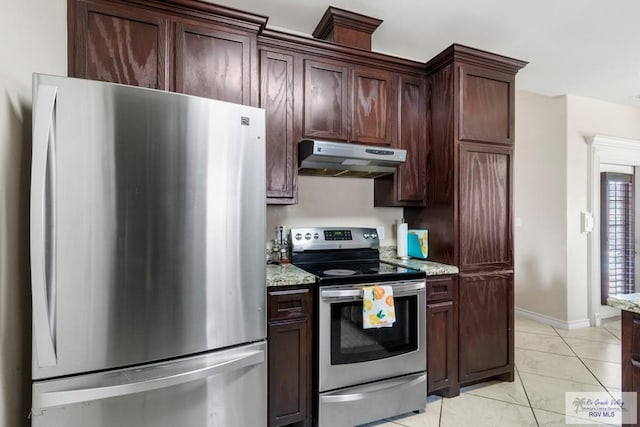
(324, 158)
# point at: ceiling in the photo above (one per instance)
(581, 47)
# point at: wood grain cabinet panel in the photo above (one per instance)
(442, 347)
(412, 137)
(631, 354)
(326, 97)
(276, 97)
(288, 367)
(486, 326)
(442, 336)
(469, 209)
(486, 105)
(407, 186)
(213, 63)
(485, 207)
(289, 339)
(372, 118)
(118, 44)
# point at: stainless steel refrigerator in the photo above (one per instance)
(147, 258)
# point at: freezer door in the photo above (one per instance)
(147, 225)
(224, 388)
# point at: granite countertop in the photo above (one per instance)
(287, 275)
(429, 267)
(388, 254)
(629, 302)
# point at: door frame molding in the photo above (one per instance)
(602, 149)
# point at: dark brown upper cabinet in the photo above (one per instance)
(118, 43)
(276, 97)
(372, 107)
(486, 105)
(214, 62)
(326, 100)
(407, 186)
(345, 103)
(189, 47)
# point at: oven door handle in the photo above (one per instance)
(399, 290)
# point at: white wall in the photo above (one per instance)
(34, 38)
(331, 202)
(540, 198)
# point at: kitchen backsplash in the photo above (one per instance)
(327, 202)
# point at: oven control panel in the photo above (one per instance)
(325, 238)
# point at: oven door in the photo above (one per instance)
(350, 355)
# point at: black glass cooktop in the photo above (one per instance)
(359, 272)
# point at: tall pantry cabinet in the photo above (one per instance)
(470, 119)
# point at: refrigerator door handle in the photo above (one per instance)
(42, 248)
(45, 400)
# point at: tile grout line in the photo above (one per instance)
(585, 365)
(581, 361)
(526, 394)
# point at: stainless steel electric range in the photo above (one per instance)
(362, 375)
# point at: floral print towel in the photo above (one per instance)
(377, 307)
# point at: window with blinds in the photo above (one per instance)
(617, 234)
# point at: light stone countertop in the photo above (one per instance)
(388, 254)
(629, 302)
(287, 275)
(429, 267)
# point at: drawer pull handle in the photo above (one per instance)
(635, 363)
(290, 305)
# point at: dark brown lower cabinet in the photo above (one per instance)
(631, 354)
(289, 361)
(486, 326)
(442, 336)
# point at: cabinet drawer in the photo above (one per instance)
(440, 288)
(288, 303)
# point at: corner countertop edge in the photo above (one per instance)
(287, 275)
(629, 302)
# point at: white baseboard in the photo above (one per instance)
(552, 321)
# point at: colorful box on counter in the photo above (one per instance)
(418, 243)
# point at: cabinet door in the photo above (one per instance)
(372, 118)
(276, 97)
(442, 348)
(631, 353)
(213, 62)
(326, 97)
(407, 186)
(118, 43)
(486, 105)
(485, 207)
(486, 326)
(412, 175)
(288, 371)
(289, 339)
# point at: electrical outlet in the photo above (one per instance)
(380, 232)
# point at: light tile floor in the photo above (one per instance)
(549, 362)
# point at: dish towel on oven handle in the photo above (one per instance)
(378, 309)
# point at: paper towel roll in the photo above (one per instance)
(402, 229)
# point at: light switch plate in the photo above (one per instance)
(586, 222)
